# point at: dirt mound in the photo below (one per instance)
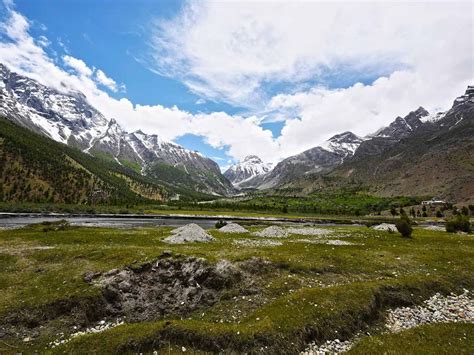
(385, 227)
(167, 286)
(190, 233)
(233, 228)
(272, 232)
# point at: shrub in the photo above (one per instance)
(458, 223)
(404, 226)
(220, 224)
(439, 214)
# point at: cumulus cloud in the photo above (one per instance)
(259, 55)
(284, 61)
(21, 54)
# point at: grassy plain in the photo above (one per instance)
(313, 291)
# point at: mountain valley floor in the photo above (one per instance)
(88, 290)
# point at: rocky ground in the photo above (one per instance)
(437, 309)
(233, 228)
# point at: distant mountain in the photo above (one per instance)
(320, 159)
(247, 173)
(34, 168)
(419, 155)
(68, 118)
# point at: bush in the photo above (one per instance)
(404, 226)
(439, 214)
(458, 223)
(220, 224)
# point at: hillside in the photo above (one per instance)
(34, 168)
(433, 158)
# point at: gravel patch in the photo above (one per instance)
(233, 228)
(436, 228)
(325, 241)
(308, 231)
(102, 326)
(388, 227)
(190, 233)
(257, 243)
(272, 232)
(437, 309)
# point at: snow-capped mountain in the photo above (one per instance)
(402, 126)
(246, 173)
(68, 118)
(328, 155)
(343, 144)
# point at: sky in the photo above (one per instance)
(238, 78)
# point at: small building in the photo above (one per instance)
(434, 202)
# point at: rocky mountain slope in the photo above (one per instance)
(320, 159)
(68, 118)
(247, 173)
(34, 168)
(418, 155)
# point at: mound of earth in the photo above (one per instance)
(388, 227)
(308, 231)
(233, 228)
(167, 286)
(190, 233)
(272, 232)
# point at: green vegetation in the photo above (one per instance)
(426, 339)
(36, 169)
(312, 290)
(343, 202)
(404, 226)
(458, 223)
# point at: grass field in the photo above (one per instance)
(309, 291)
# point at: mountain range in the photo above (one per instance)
(68, 118)
(418, 154)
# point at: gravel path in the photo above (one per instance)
(190, 233)
(437, 309)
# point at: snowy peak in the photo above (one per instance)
(248, 169)
(344, 144)
(68, 118)
(402, 126)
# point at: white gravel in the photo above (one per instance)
(257, 243)
(308, 231)
(437, 309)
(102, 326)
(325, 241)
(272, 232)
(233, 228)
(436, 228)
(190, 233)
(388, 227)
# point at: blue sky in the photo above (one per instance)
(230, 79)
(111, 38)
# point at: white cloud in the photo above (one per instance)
(239, 52)
(233, 52)
(219, 129)
(78, 65)
(107, 82)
